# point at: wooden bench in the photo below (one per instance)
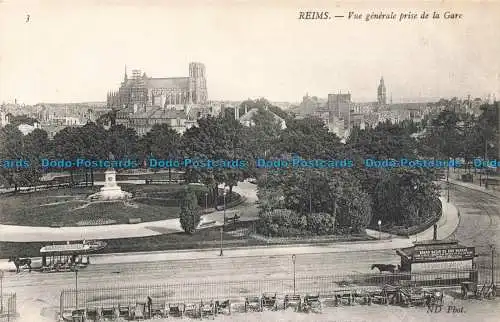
(253, 303)
(223, 307)
(233, 220)
(269, 301)
(292, 300)
(134, 220)
(312, 303)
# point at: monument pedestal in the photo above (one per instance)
(111, 190)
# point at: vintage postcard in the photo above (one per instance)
(249, 160)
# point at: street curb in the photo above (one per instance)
(493, 194)
(207, 250)
(455, 212)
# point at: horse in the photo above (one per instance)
(20, 262)
(386, 267)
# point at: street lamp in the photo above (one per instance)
(76, 286)
(379, 229)
(492, 264)
(206, 202)
(1, 291)
(223, 225)
(310, 203)
(293, 261)
(224, 207)
(448, 181)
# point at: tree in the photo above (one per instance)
(93, 144)
(14, 146)
(190, 212)
(122, 142)
(163, 143)
(325, 200)
(406, 197)
(310, 139)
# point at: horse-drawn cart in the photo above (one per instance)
(68, 257)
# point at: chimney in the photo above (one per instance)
(236, 112)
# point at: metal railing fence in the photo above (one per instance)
(8, 308)
(324, 285)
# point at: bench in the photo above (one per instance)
(253, 303)
(207, 309)
(192, 310)
(159, 310)
(223, 307)
(312, 303)
(293, 300)
(175, 310)
(134, 220)
(269, 301)
(233, 220)
(124, 311)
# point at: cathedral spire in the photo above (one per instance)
(125, 77)
(381, 93)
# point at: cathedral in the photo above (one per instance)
(142, 101)
(140, 92)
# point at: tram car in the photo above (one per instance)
(68, 257)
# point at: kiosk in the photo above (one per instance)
(448, 259)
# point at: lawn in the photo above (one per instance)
(68, 206)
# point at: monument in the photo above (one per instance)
(111, 190)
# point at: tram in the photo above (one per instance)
(68, 257)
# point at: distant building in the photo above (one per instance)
(381, 93)
(340, 104)
(4, 118)
(27, 129)
(247, 118)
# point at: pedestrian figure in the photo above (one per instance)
(150, 305)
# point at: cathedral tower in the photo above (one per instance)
(381, 93)
(197, 83)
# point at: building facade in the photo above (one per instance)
(339, 104)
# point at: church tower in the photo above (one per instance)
(381, 93)
(197, 83)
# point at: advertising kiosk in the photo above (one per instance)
(451, 262)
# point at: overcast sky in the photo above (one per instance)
(74, 51)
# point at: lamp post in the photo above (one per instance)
(448, 181)
(206, 202)
(223, 225)
(76, 287)
(293, 261)
(492, 264)
(310, 203)
(379, 229)
(1, 291)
